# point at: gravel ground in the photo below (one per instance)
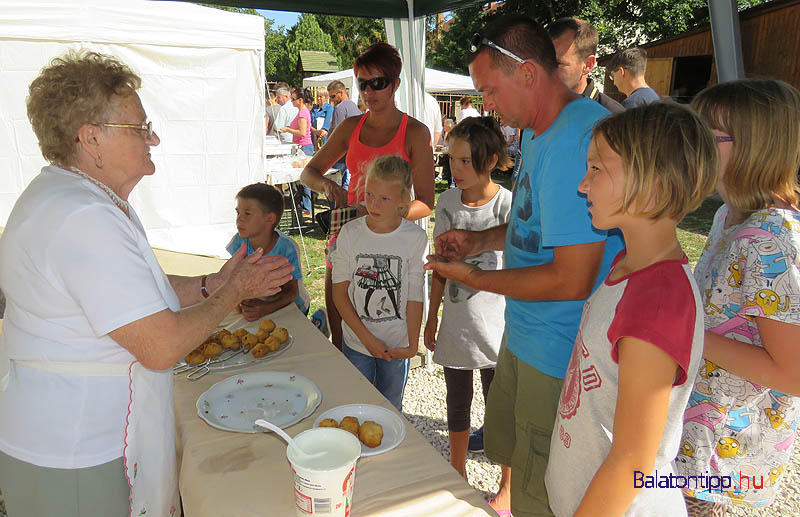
(424, 406)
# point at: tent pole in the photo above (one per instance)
(412, 39)
(727, 40)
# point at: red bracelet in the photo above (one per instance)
(203, 287)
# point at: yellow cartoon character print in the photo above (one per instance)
(774, 474)
(738, 498)
(735, 278)
(775, 418)
(687, 449)
(708, 370)
(769, 301)
(729, 448)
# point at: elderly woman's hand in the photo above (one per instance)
(220, 277)
(261, 276)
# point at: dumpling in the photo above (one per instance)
(370, 434)
(349, 423)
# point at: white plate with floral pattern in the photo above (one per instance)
(283, 398)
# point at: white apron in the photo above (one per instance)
(149, 449)
(149, 452)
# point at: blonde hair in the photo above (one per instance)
(669, 155)
(393, 170)
(763, 118)
(73, 90)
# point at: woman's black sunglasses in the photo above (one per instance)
(376, 83)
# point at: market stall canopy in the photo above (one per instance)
(436, 81)
(368, 9)
(202, 73)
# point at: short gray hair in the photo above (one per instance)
(282, 91)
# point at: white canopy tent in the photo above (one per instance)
(436, 81)
(203, 88)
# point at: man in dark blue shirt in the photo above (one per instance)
(627, 71)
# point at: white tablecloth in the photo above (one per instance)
(232, 474)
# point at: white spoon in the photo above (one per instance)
(289, 439)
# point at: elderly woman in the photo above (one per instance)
(93, 324)
(383, 130)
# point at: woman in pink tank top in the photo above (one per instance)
(383, 130)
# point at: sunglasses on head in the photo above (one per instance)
(376, 83)
(479, 41)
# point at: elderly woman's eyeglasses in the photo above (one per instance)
(479, 41)
(376, 83)
(147, 128)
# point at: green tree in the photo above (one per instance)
(620, 23)
(306, 34)
(275, 52)
(276, 55)
(351, 35)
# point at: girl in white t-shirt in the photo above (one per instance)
(620, 413)
(472, 321)
(377, 280)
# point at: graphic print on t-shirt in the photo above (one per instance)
(377, 278)
(522, 235)
(468, 220)
(459, 292)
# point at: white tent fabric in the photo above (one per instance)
(408, 35)
(203, 88)
(436, 81)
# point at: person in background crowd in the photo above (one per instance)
(321, 116)
(447, 125)
(433, 118)
(286, 113)
(552, 253)
(300, 129)
(627, 71)
(444, 159)
(271, 111)
(362, 105)
(467, 110)
(511, 135)
(576, 48)
(343, 108)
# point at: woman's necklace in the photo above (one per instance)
(121, 203)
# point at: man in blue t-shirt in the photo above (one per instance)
(627, 71)
(258, 210)
(554, 258)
